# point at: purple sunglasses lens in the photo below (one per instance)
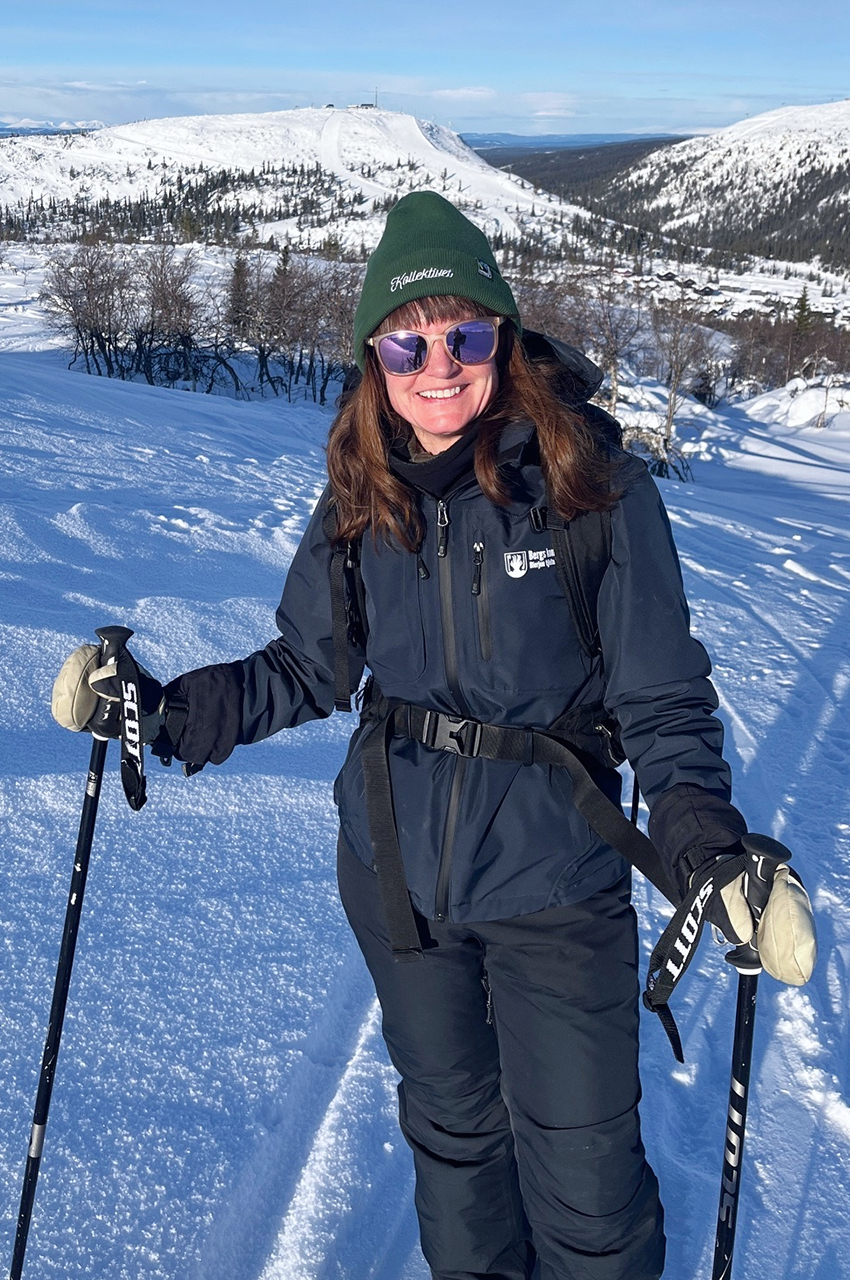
(470, 342)
(402, 352)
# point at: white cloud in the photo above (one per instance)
(471, 94)
(551, 105)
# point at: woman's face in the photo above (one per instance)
(444, 397)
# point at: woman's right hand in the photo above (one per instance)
(86, 690)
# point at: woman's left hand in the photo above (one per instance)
(785, 938)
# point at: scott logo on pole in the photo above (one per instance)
(132, 734)
(732, 1152)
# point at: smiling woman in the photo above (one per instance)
(435, 338)
(468, 848)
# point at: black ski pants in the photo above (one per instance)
(517, 1046)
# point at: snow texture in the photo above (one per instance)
(224, 1108)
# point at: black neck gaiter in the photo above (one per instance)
(437, 474)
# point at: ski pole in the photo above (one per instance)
(764, 856)
(112, 638)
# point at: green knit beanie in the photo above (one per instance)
(428, 247)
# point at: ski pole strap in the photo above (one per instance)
(132, 748)
(678, 943)
(129, 710)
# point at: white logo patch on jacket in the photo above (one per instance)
(518, 563)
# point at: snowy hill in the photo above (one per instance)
(322, 181)
(355, 161)
(777, 184)
(17, 125)
(223, 1106)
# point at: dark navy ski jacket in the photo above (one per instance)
(486, 839)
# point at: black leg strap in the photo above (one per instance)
(404, 936)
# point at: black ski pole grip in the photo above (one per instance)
(128, 711)
(106, 721)
(113, 640)
(764, 855)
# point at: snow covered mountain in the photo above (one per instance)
(323, 179)
(294, 174)
(777, 184)
(16, 125)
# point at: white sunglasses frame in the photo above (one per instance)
(431, 338)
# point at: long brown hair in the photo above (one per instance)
(577, 470)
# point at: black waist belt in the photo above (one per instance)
(470, 738)
(541, 747)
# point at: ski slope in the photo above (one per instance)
(224, 1109)
(151, 158)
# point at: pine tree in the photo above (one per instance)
(239, 298)
(803, 317)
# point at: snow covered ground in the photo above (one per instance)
(224, 1109)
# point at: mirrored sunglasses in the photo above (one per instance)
(406, 351)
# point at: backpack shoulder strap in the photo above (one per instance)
(582, 549)
(347, 606)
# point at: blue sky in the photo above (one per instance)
(561, 67)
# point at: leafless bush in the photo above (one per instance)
(548, 308)
(607, 320)
(684, 351)
(146, 313)
(87, 295)
(771, 349)
(296, 318)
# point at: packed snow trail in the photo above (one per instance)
(224, 1108)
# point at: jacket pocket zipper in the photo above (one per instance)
(482, 600)
(444, 872)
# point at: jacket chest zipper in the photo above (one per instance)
(447, 619)
(482, 600)
(442, 527)
(447, 616)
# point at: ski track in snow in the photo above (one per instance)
(224, 1107)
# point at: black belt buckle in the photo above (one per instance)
(451, 733)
